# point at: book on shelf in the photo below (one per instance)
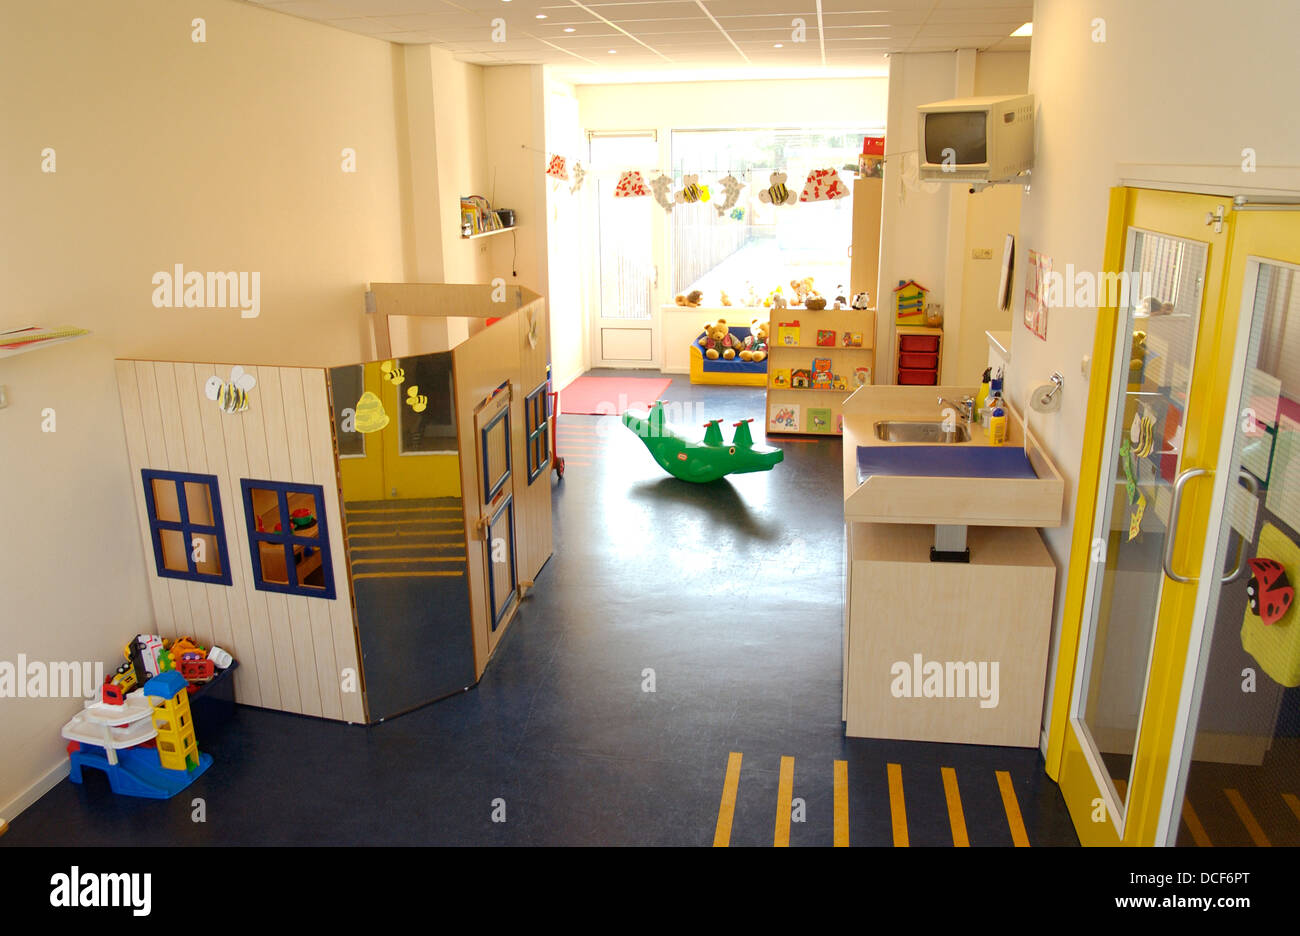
(477, 216)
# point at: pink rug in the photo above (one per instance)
(601, 396)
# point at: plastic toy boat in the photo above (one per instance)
(701, 460)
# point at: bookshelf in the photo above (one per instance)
(793, 410)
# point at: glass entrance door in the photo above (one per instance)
(1235, 778)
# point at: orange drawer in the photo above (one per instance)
(925, 344)
(915, 375)
(914, 360)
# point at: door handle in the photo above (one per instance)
(1253, 486)
(1171, 535)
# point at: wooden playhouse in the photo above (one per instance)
(358, 536)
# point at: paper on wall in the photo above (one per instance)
(1243, 507)
(1284, 487)
(1157, 358)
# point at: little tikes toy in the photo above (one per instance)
(702, 460)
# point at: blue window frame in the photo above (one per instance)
(493, 481)
(186, 526)
(503, 599)
(288, 538)
(537, 422)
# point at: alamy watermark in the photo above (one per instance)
(950, 679)
(37, 679)
(213, 290)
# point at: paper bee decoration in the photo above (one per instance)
(232, 396)
(557, 169)
(661, 185)
(392, 372)
(731, 186)
(776, 193)
(823, 185)
(691, 191)
(631, 184)
(415, 399)
(578, 173)
(370, 415)
(1269, 592)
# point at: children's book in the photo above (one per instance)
(787, 333)
(852, 339)
(819, 419)
(825, 338)
(785, 418)
(800, 379)
(781, 377)
(862, 376)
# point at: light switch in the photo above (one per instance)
(981, 253)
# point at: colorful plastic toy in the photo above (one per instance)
(701, 460)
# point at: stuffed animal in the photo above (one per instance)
(717, 341)
(775, 299)
(751, 300)
(691, 299)
(862, 301)
(724, 298)
(756, 342)
(840, 301)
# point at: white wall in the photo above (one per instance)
(566, 298)
(1184, 83)
(224, 155)
(928, 229)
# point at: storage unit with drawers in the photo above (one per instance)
(918, 356)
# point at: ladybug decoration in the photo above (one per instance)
(1269, 591)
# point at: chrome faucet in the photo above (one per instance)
(965, 409)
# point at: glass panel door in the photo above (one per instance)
(1240, 782)
(1159, 315)
(628, 230)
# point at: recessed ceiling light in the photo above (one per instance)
(541, 16)
(779, 45)
(1025, 30)
(568, 29)
(613, 52)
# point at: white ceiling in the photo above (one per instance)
(614, 39)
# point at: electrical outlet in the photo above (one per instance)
(981, 253)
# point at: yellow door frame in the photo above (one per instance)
(1180, 215)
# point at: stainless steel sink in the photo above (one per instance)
(933, 433)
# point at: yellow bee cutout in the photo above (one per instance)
(232, 396)
(691, 191)
(392, 373)
(776, 193)
(414, 400)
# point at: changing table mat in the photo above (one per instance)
(944, 461)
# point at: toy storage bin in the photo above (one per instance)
(924, 344)
(213, 703)
(912, 359)
(918, 376)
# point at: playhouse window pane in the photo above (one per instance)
(433, 428)
(346, 386)
(274, 568)
(207, 559)
(266, 507)
(498, 438)
(198, 502)
(304, 515)
(166, 503)
(174, 553)
(308, 567)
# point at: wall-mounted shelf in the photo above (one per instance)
(488, 233)
(33, 337)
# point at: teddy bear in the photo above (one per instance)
(724, 298)
(691, 299)
(717, 341)
(755, 348)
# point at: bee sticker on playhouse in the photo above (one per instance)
(230, 396)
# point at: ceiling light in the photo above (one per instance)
(613, 52)
(779, 46)
(541, 16)
(568, 29)
(1025, 30)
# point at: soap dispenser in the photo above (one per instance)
(982, 396)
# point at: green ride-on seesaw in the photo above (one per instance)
(701, 460)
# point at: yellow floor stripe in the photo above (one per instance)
(897, 809)
(956, 816)
(386, 561)
(784, 798)
(841, 804)
(1247, 818)
(1012, 806)
(1194, 826)
(727, 809)
(375, 510)
(452, 533)
(1294, 803)
(408, 546)
(370, 575)
(359, 523)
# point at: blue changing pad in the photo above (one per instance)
(944, 461)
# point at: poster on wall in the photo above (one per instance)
(1037, 272)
